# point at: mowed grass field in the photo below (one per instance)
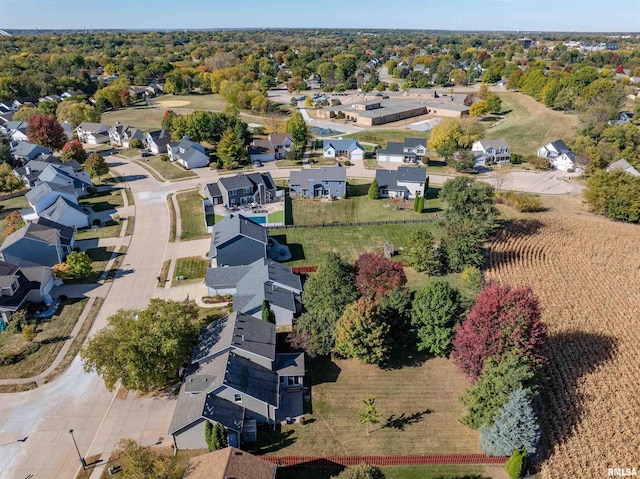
(382, 137)
(142, 117)
(167, 170)
(530, 124)
(359, 207)
(419, 407)
(309, 245)
(585, 270)
(191, 216)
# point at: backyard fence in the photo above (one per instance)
(432, 219)
(13, 194)
(304, 269)
(384, 461)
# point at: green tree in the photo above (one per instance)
(420, 203)
(140, 462)
(361, 471)
(368, 414)
(143, 349)
(361, 333)
(77, 265)
(514, 426)
(208, 435)
(483, 91)
(463, 244)
(75, 112)
(470, 284)
(29, 332)
(416, 201)
(135, 143)
(231, 149)
(494, 103)
(25, 113)
(421, 253)
(478, 109)
(436, 310)
(215, 436)
(615, 195)
(331, 287)
(48, 107)
(493, 388)
(298, 129)
(8, 181)
(267, 313)
(5, 153)
(468, 199)
(517, 464)
(96, 165)
(374, 190)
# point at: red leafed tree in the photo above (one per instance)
(619, 68)
(73, 150)
(501, 320)
(46, 131)
(376, 276)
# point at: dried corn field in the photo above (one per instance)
(586, 272)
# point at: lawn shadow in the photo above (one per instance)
(317, 469)
(323, 370)
(296, 249)
(358, 190)
(578, 354)
(57, 339)
(288, 208)
(271, 440)
(406, 355)
(400, 422)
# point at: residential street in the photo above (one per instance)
(79, 401)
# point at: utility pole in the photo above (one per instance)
(82, 461)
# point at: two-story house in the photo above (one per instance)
(488, 152)
(405, 182)
(121, 135)
(328, 181)
(41, 243)
(559, 155)
(251, 284)
(156, 141)
(24, 152)
(235, 378)
(30, 172)
(349, 149)
(242, 189)
(19, 285)
(188, 153)
(65, 176)
(92, 133)
(275, 147)
(44, 195)
(412, 150)
(237, 240)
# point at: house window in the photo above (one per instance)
(293, 380)
(237, 397)
(246, 190)
(282, 379)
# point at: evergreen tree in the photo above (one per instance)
(361, 333)
(208, 435)
(514, 426)
(420, 204)
(368, 414)
(267, 313)
(374, 191)
(231, 149)
(416, 202)
(517, 464)
(421, 253)
(219, 436)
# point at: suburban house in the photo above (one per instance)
(237, 241)
(24, 152)
(275, 147)
(242, 189)
(65, 176)
(43, 243)
(121, 135)
(229, 463)
(405, 182)
(188, 153)
(350, 149)
(491, 151)
(19, 135)
(30, 172)
(235, 378)
(559, 155)
(19, 285)
(11, 126)
(93, 133)
(251, 284)
(624, 166)
(328, 181)
(156, 141)
(44, 195)
(66, 213)
(412, 150)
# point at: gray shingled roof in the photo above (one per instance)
(65, 232)
(89, 127)
(33, 231)
(494, 144)
(342, 145)
(389, 178)
(252, 379)
(226, 277)
(59, 208)
(232, 226)
(317, 175)
(289, 364)
(7, 272)
(23, 149)
(560, 146)
(160, 137)
(624, 166)
(213, 190)
(235, 182)
(36, 194)
(236, 331)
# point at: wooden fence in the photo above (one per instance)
(384, 461)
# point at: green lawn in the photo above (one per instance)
(109, 231)
(191, 215)
(399, 472)
(144, 118)
(382, 137)
(193, 269)
(51, 335)
(104, 200)
(129, 152)
(275, 217)
(529, 124)
(308, 245)
(196, 102)
(418, 403)
(6, 208)
(359, 207)
(166, 169)
(100, 257)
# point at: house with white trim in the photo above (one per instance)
(188, 154)
(488, 152)
(405, 182)
(349, 149)
(411, 150)
(559, 155)
(93, 133)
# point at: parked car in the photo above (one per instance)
(257, 163)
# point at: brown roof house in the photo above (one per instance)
(229, 463)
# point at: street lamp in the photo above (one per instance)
(82, 461)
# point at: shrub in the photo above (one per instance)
(540, 163)
(135, 143)
(517, 464)
(523, 202)
(29, 332)
(164, 157)
(347, 163)
(92, 190)
(16, 357)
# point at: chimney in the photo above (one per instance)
(27, 170)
